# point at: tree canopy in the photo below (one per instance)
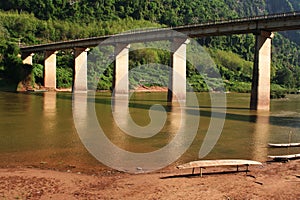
(24, 22)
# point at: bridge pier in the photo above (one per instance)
(50, 70)
(260, 94)
(177, 77)
(120, 77)
(27, 58)
(80, 70)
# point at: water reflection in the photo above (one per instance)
(90, 132)
(124, 121)
(120, 109)
(49, 111)
(172, 137)
(43, 124)
(261, 136)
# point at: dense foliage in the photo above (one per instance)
(24, 22)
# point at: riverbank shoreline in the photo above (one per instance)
(273, 180)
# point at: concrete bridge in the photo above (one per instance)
(261, 26)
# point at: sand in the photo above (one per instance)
(274, 180)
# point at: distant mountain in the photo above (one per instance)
(281, 6)
(246, 8)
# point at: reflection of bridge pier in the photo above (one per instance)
(261, 136)
(261, 26)
(120, 110)
(49, 111)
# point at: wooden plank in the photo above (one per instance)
(291, 156)
(217, 163)
(284, 145)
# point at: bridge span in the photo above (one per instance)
(261, 26)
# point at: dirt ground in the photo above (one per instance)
(273, 180)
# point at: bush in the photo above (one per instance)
(277, 91)
(38, 73)
(236, 86)
(64, 77)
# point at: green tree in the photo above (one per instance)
(285, 77)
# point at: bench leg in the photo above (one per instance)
(201, 171)
(193, 170)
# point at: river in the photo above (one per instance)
(38, 130)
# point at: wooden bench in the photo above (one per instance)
(202, 164)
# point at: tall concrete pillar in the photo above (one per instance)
(50, 70)
(260, 94)
(27, 58)
(177, 78)
(80, 69)
(120, 78)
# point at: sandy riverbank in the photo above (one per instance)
(270, 181)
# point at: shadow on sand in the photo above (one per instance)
(197, 175)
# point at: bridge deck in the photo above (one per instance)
(271, 23)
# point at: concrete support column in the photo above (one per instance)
(177, 78)
(50, 70)
(260, 94)
(120, 78)
(80, 70)
(27, 58)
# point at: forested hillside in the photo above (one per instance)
(24, 22)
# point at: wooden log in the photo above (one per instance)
(283, 157)
(284, 145)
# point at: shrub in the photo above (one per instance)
(277, 91)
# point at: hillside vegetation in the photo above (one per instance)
(25, 22)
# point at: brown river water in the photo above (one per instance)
(38, 129)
